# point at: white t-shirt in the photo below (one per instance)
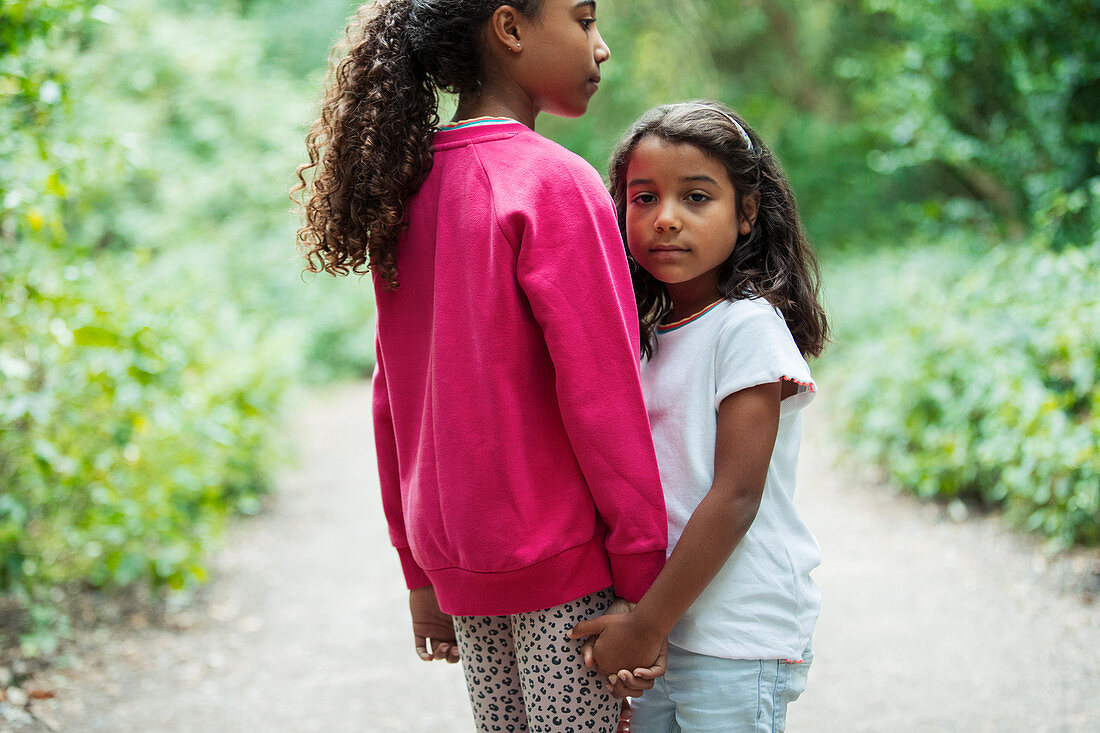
(763, 603)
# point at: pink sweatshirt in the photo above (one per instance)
(514, 450)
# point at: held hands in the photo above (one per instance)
(429, 623)
(619, 646)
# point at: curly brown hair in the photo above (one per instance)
(370, 149)
(774, 261)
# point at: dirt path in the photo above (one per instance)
(932, 624)
(304, 628)
(929, 624)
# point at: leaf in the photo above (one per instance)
(55, 186)
(95, 336)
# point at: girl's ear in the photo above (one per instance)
(504, 27)
(750, 206)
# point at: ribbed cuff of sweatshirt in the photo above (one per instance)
(414, 576)
(633, 574)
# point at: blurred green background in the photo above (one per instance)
(154, 315)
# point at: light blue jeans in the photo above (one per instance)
(701, 694)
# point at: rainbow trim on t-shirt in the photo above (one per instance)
(475, 122)
(666, 327)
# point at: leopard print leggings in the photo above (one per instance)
(524, 673)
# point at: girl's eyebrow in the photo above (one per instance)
(703, 178)
(584, 3)
(648, 181)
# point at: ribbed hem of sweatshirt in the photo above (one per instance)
(414, 576)
(634, 574)
(565, 577)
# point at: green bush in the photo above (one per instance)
(130, 425)
(978, 377)
(38, 39)
(152, 310)
(990, 105)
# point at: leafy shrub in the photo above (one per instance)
(152, 312)
(37, 41)
(187, 145)
(133, 418)
(983, 386)
(990, 103)
(954, 112)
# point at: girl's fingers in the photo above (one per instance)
(634, 686)
(590, 627)
(422, 648)
(622, 690)
(446, 650)
(430, 649)
(649, 673)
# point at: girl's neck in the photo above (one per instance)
(497, 101)
(688, 300)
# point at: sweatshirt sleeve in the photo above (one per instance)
(572, 267)
(389, 476)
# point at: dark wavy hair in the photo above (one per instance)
(774, 261)
(370, 149)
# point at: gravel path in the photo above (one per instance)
(930, 624)
(934, 624)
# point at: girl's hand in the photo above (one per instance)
(618, 606)
(634, 684)
(625, 684)
(431, 623)
(622, 643)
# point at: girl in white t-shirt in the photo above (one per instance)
(727, 291)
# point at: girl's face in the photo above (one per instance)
(559, 64)
(681, 216)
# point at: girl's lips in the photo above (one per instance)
(667, 254)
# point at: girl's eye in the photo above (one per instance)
(698, 198)
(587, 23)
(643, 198)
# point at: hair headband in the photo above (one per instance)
(727, 115)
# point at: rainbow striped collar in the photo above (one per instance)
(666, 327)
(476, 122)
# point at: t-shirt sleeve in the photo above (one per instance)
(757, 348)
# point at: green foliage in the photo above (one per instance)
(152, 312)
(129, 428)
(992, 101)
(974, 113)
(978, 377)
(192, 140)
(37, 41)
(298, 39)
(653, 61)
(769, 60)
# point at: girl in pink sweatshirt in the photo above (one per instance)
(514, 453)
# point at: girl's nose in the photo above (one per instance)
(603, 51)
(666, 219)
